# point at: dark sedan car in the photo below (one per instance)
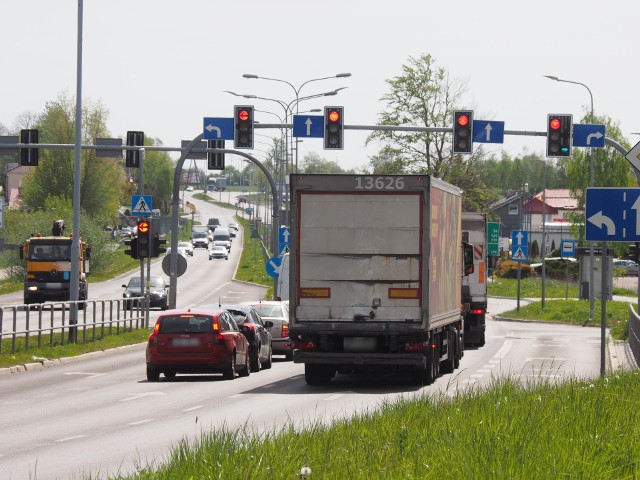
(256, 330)
(158, 293)
(197, 341)
(278, 313)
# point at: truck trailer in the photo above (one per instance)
(375, 266)
(474, 286)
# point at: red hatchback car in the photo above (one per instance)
(197, 341)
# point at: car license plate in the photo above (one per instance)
(185, 342)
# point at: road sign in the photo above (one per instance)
(520, 245)
(310, 126)
(568, 248)
(283, 239)
(633, 156)
(612, 214)
(485, 131)
(141, 206)
(585, 135)
(273, 266)
(493, 239)
(217, 128)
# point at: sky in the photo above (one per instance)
(161, 66)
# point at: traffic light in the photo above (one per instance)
(144, 239)
(215, 161)
(463, 131)
(29, 156)
(333, 128)
(634, 252)
(156, 246)
(133, 247)
(132, 157)
(559, 132)
(243, 127)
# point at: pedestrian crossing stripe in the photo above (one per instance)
(519, 255)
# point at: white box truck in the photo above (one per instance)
(474, 286)
(375, 266)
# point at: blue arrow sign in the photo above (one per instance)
(141, 205)
(283, 238)
(310, 126)
(273, 266)
(612, 214)
(585, 135)
(520, 245)
(217, 128)
(485, 131)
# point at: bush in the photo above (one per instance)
(509, 269)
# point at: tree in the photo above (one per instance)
(423, 95)
(158, 176)
(314, 163)
(102, 180)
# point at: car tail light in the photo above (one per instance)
(153, 338)
(285, 330)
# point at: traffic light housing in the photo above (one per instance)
(634, 252)
(215, 161)
(144, 239)
(463, 131)
(156, 246)
(333, 128)
(243, 126)
(133, 247)
(559, 133)
(29, 156)
(132, 157)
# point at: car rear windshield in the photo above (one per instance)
(186, 324)
(269, 310)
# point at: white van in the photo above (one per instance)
(283, 279)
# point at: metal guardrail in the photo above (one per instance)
(49, 323)
(634, 334)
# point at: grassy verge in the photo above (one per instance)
(532, 288)
(578, 429)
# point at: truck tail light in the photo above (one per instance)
(477, 311)
(302, 345)
(417, 347)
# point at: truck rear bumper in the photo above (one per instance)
(333, 358)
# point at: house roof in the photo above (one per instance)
(506, 200)
(559, 198)
(535, 206)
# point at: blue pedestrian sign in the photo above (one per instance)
(520, 245)
(585, 135)
(310, 126)
(485, 131)
(273, 266)
(217, 128)
(611, 214)
(283, 239)
(141, 206)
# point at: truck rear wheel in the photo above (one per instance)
(315, 374)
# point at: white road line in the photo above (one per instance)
(191, 409)
(140, 422)
(66, 439)
(87, 374)
(137, 396)
(538, 345)
(334, 397)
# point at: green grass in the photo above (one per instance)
(579, 429)
(532, 288)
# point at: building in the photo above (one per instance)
(14, 176)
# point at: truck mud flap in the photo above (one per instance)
(332, 358)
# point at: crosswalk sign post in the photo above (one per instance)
(519, 253)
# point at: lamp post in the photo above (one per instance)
(295, 89)
(591, 246)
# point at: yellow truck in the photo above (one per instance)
(48, 269)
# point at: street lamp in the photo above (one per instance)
(591, 247)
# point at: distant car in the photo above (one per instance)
(189, 188)
(213, 223)
(256, 330)
(221, 236)
(218, 251)
(200, 239)
(233, 229)
(625, 267)
(278, 313)
(188, 246)
(197, 341)
(181, 250)
(158, 292)
(126, 232)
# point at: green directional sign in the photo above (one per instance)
(493, 238)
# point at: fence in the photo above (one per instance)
(41, 324)
(634, 334)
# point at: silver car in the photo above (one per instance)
(278, 313)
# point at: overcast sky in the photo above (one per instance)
(161, 66)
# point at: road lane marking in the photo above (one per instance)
(140, 422)
(87, 374)
(191, 409)
(334, 397)
(67, 439)
(137, 396)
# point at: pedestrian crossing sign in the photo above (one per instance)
(141, 206)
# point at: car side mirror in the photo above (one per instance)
(124, 285)
(268, 323)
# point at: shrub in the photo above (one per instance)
(509, 269)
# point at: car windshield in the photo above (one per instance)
(238, 316)
(218, 248)
(154, 282)
(269, 310)
(186, 324)
(183, 245)
(50, 251)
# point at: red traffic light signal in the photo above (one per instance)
(144, 239)
(243, 126)
(463, 131)
(559, 135)
(333, 128)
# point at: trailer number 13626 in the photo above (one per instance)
(379, 183)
